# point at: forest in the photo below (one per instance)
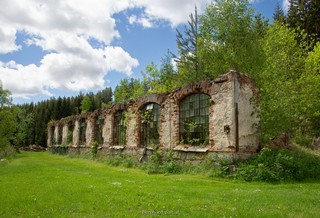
(282, 55)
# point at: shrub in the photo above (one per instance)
(215, 166)
(7, 152)
(94, 149)
(280, 165)
(69, 137)
(162, 162)
(121, 160)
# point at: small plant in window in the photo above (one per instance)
(147, 116)
(69, 137)
(53, 141)
(94, 149)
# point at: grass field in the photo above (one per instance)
(46, 185)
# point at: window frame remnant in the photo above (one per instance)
(98, 129)
(82, 131)
(70, 132)
(119, 128)
(60, 132)
(194, 119)
(150, 124)
(52, 138)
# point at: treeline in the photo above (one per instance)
(28, 122)
(283, 57)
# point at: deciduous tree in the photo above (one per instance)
(232, 38)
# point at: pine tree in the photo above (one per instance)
(293, 19)
(314, 19)
(278, 14)
(188, 47)
(304, 15)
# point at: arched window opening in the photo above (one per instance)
(194, 119)
(82, 131)
(98, 129)
(119, 128)
(59, 142)
(150, 123)
(52, 138)
(70, 132)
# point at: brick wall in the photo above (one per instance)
(225, 136)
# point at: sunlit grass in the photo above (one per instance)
(45, 185)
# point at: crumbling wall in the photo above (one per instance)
(222, 114)
(248, 115)
(133, 126)
(65, 134)
(168, 116)
(56, 133)
(232, 120)
(89, 131)
(76, 132)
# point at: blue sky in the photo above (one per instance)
(51, 48)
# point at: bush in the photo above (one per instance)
(280, 165)
(303, 139)
(218, 167)
(121, 160)
(94, 149)
(162, 162)
(7, 152)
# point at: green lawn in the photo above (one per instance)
(45, 185)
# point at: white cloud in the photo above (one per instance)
(66, 71)
(22, 80)
(63, 28)
(7, 39)
(173, 11)
(88, 18)
(143, 21)
(118, 59)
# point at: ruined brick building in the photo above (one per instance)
(217, 116)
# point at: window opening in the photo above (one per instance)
(98, 129)
(82, 132)
(59, 142)
(119, 128)
(52, 139)
(150, 122)
(194, 119)
(70, 132)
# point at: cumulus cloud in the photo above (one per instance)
(173, 11)
(143, 21)
(118, 58)
(66, 71)
(7, 39)
(22, 80)
(65, 29)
